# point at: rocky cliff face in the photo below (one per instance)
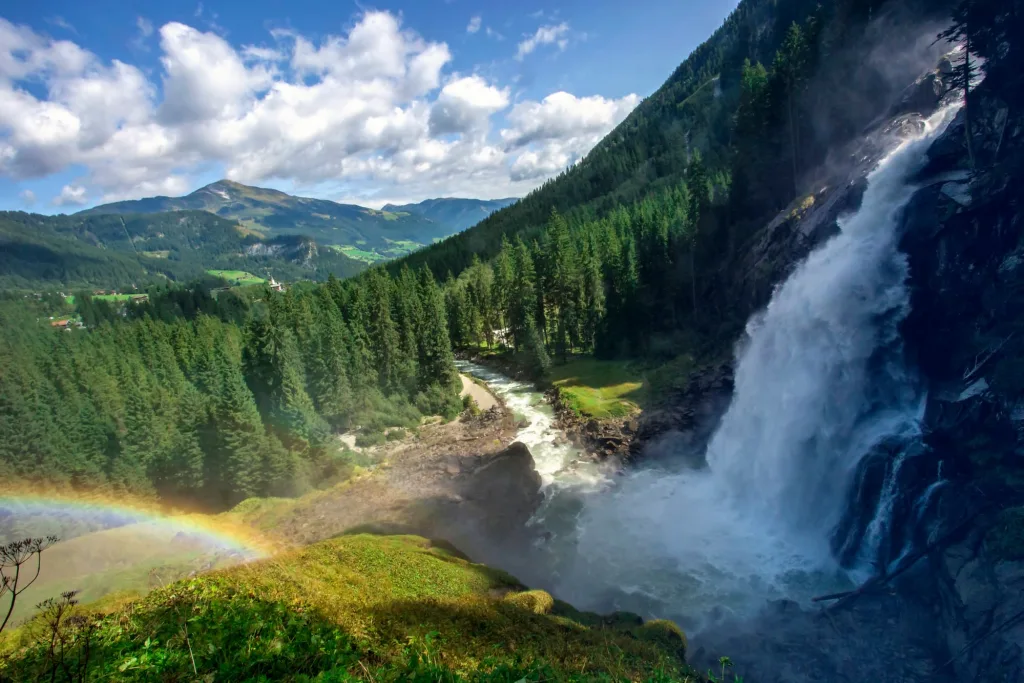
(689, 417)
(960, 512)
(298, 249)
(966, 332)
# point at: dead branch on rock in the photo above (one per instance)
(984, 357)
(876, 582)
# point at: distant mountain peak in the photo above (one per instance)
(361, 232)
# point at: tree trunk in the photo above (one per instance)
(792, 139)
(693, 276)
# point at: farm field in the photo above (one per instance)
(237, 277)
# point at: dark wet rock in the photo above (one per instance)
(506, 488)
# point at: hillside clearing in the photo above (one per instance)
(237, 277)
(600, 389)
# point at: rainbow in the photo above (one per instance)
(101, 512)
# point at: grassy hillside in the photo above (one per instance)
(272, 213)
(113, 250)
(354, 608)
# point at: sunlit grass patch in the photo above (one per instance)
(237, 277)
(600, 389)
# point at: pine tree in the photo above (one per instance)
(381, 331)
(700, 200)
(537, 360)
(564, 284)
(790, 66)
(240, 441)
(331, 389)
(522, 296)
(502, 291)
(436, 361)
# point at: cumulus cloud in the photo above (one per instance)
(562, 115)
(369, 113)
(474, 24)
(71, 195)
(465, 105)
(545, 35)
(28, 197)
(559, 130)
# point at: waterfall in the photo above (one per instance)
(820, 382)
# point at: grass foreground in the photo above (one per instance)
(360, 607)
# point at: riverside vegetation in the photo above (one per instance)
(631, 254)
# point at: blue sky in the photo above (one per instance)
(395, 101)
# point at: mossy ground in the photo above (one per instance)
(600, 389)
(378, 608)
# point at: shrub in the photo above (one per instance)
(536, 601)
(469, 405)
(436, 400)
(368, 440)
(665, 634)
(396, 434)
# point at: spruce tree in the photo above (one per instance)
(436, 361)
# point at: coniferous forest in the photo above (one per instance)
(631, 253)
(206, 403)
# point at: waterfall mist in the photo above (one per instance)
(820, 381)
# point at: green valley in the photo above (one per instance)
(122, 251)
(368, 235)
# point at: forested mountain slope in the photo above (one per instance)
(831, 75)
(114, 250)
(649, 247)
(455, 213)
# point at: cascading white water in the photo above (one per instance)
(819, 382)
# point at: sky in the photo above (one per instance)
(398, 101)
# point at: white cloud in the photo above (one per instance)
(491, 33)
(474, 24)
(61, 22)
(562, 115)
(71, 195)
(466, 105)
(145, 30)
(558, 131)
(545, 35)
(371, 113)
(28, 197)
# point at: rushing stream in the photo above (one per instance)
(820, 380)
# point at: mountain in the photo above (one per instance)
(114, 250)
(455, 213)
(362, 233)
